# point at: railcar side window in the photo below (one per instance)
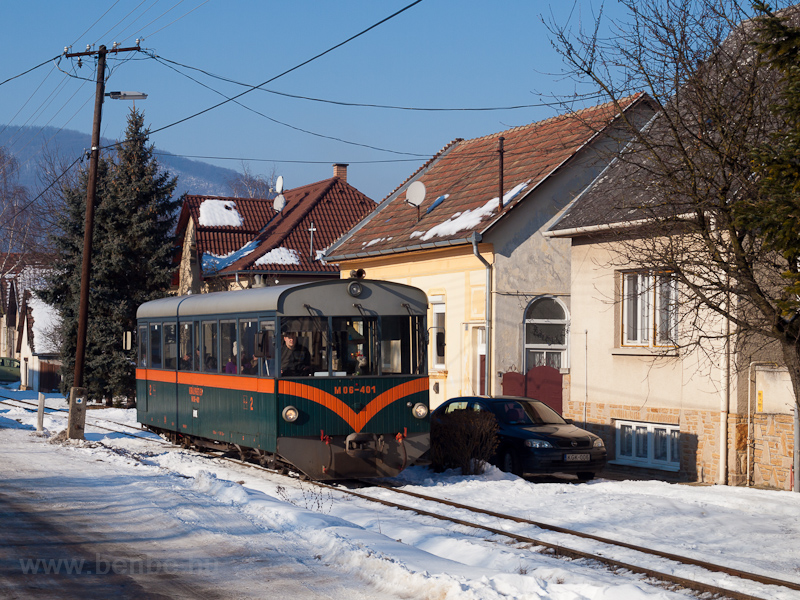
(197, 357)
(264, 353)
(170, 346)
(229, 347)
(155, 345)
(185, 344)
(209, 345)
(143, 346)
(248, 361)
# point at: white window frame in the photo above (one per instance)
(438, 315)
(649, 309)
(562, 349)
(645, 448)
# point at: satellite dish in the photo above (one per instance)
(415, 193)
(279, 184)
(279, 202)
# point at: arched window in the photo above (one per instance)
(546, 333)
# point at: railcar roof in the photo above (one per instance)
(319, 298)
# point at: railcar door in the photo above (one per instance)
(156, 375)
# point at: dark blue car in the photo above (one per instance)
(533, 438)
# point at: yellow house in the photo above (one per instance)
(498, 291)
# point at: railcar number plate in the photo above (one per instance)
(575, 457)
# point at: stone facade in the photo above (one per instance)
(772, 450)
(771, 442)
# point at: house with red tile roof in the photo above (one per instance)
(499, 292)
(236, 243)
(38, 345)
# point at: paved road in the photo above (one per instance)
(76, 524)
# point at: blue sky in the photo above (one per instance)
(439, 53)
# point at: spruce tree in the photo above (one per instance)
(132, 250)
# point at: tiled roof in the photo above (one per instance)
(278, 242)
(461, 184)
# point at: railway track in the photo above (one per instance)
(671, 562)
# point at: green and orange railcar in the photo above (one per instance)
(348, 398)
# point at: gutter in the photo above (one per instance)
(475, 238)
(389, 251)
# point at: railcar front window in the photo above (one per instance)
(304, 343)
(355, 345)
(155, 345)
(399, 352)
(209, 345)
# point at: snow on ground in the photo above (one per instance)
(159, 501)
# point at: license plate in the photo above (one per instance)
(575, 457)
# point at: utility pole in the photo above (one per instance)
(77, 394)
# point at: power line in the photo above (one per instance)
(29, 70)
(96, 22)
(363, 104)
(301, 162)
(176, 20)
(302, 64)
(290, 126)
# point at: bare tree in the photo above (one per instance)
(684, 189)
(250, 185)
(16, 216)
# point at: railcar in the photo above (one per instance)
(329, 378)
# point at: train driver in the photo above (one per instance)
(295, 358)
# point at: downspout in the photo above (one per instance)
(724, 408)
(796, 461)
(475, 238)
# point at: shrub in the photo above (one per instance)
(463, 439)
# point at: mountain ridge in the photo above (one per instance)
(29, 144)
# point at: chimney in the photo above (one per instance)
(340, 171)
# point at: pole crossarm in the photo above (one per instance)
(103, 50)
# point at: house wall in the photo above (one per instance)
(189, 270)
(610, 383)
(459, 277)
(8, 339)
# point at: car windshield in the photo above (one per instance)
(523, 412)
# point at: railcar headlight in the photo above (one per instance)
(538, 444)
(355, 289)
(420, 410)
(290, 414)
(598, 443)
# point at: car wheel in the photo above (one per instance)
(585, 476)
(510, 464)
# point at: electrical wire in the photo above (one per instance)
(300, 162)
(362, 104)
(176, 20)
(95, 23)
(302, 64)
(29, 70)
(320, 135)
(120, 21)
(124, 36)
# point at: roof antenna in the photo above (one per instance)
(415, 194)
(280, 200)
